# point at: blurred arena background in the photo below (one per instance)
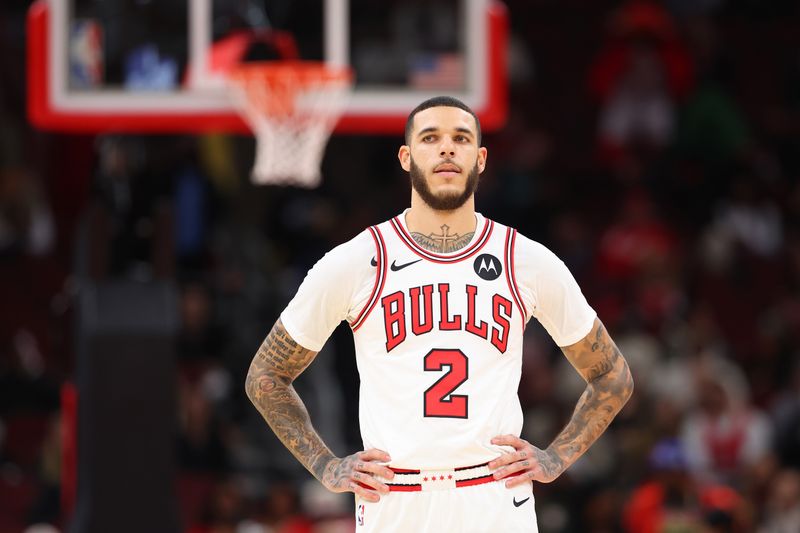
(653, 145)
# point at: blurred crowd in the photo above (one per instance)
(654, 146)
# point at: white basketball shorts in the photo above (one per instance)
(486, 508)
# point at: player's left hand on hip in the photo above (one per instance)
(534, 464)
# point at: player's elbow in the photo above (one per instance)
(257, 385)
(262, 383)
(249, 384)
(626, 384)
(617, 383)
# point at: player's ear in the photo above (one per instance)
(404, 155)
(482, 154)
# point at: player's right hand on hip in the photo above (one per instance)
(357, 473)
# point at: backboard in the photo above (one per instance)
(159, 66)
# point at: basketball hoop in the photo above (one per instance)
(292, 108)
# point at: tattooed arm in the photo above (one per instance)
(608, 386)
(269, 386)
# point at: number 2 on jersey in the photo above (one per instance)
(440, 401)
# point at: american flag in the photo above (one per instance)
(437, 71)
(86, 63)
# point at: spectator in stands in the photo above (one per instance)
(200, 340)
(782, 513)
(747, 219)
(26, 222)
(130, 222)
(786, 419)
(725, 435)
(201, 444)
(224, 510)
(638, 78)
(637, 260)
(712, 128)
(672, 500)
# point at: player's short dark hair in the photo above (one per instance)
(441, 101)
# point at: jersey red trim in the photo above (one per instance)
(403, 470)
(511, 235)
(402, 488)
(441, 258)
(484, 479)
(380, 277)
(461, 468)
(465, 483)
(475, 481)
(480, 478)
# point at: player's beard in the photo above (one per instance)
(444, 201)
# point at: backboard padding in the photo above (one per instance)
(52, 106)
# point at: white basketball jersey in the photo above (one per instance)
(439, 348)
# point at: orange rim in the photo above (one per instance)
(272, 86)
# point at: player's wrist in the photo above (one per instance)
(325, 468)
(552, 463)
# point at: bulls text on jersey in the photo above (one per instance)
(413, 311)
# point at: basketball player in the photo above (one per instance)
(437, 299)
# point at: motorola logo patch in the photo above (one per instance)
(488, 267)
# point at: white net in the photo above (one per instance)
(292, 108)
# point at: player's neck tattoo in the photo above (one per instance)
(444, 242)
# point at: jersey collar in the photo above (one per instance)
(483, 230)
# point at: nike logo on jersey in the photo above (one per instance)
(395, 267)
(518, 503)
(373, 262)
